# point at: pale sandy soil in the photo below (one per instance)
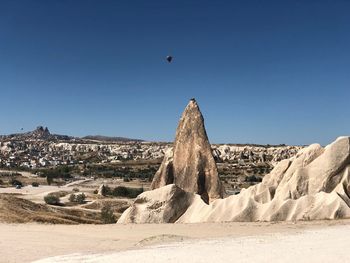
(322, 245)
(317, 241)
(36, 194)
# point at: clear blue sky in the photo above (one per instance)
(261, 71)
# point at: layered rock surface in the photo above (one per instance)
(163, 205)
(191, 165)
(313, 185)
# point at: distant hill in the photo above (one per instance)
(40, 133)
(109, 139)
(43, 134)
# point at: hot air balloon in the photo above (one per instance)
(169, 58)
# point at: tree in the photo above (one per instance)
(52, 199)
(49, 179)
(72, 198)
(107, 216)
(80, 198)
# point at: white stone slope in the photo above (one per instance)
(162, 205)
(317, 246)
(312, 185)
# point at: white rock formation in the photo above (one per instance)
(192, 166)
(315, 184)
(163, 205)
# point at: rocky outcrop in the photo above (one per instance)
(253, 154)
(163, 205)
(191, 166)
(102, 191)
(165, 173)
(313, 185)
(41, 133)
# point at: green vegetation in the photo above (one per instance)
(129, 192)
(49, 180)
(52, 199)
(253, 179)
(107, 216)
(72, 198)
(123, 191)
(127, 171)
(15, 182)
(35, 184)
(79, 198)
(60, 172)
(10, 174)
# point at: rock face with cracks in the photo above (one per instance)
(191, 165)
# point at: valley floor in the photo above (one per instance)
(318, 241)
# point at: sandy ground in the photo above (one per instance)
(317, 241)
(36, 194)
(326, 245)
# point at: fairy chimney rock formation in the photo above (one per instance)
(191, 165)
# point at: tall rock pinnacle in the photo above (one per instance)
(191, 165)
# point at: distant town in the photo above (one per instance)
(40, 148)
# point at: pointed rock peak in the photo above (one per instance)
(40, 132)
(192, 166)
(192, 104)
(41, 129)
(191, 122)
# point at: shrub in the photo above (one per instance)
(122, 191)
(108, 190)
(107, 216)
(72, 198)
(49, 179)
(57, 172)
(95, 191)
(75, 189)
(80, 198)
(253, 179)
(52, 199)
(15, 182)
(35, 184)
